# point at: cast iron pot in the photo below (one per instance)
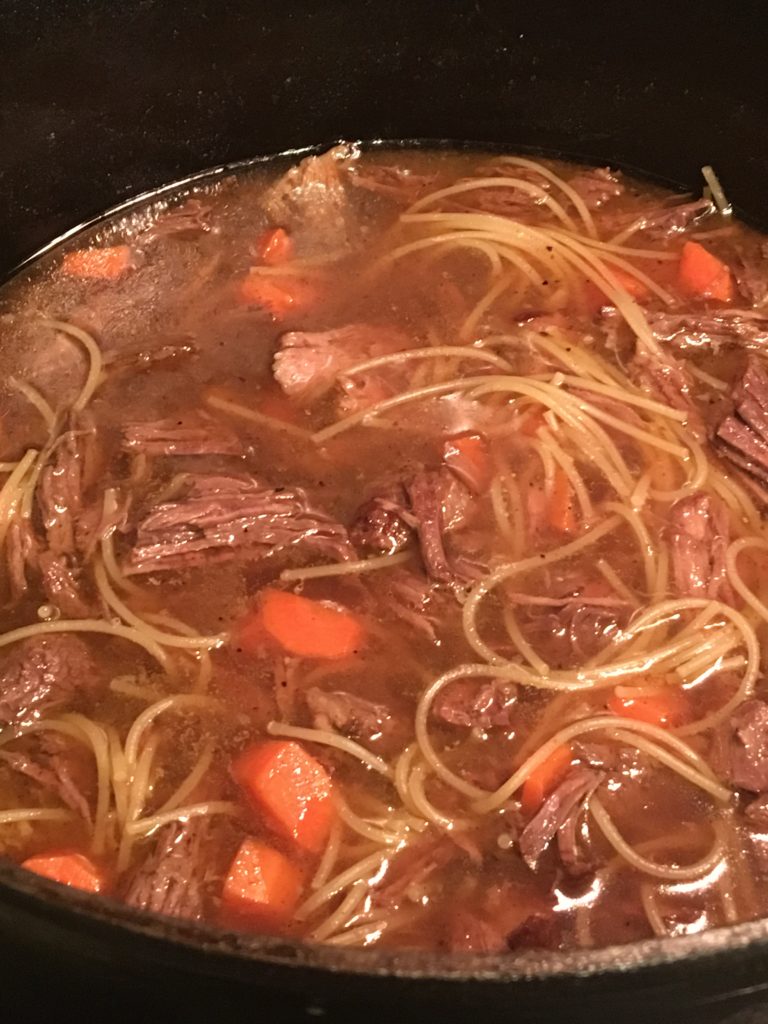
(101, 101)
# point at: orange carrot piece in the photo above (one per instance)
(279, 296)
(262, 887)
(291, 789)
(702, 273)
(668, 708)
(595, 297)
(275, 246)
(544, 779)
(470, 459)
(67, 868)
(307, 628)
(561, 514)
(105, 264)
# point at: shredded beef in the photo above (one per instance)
(41, 673)
(699, 536)
(668, 380)
(748, 748)
(62, 586)
(52, 761)
(309, 363)
(470, 703)
(397, 183)
(565, 802)
(220, 516)
(21, 554)
(439, 503)
(756, 811)
(739, 328)
(311, 200)
(470, 933)
(60, 493)
(194, 435)
(501, 200)
(665, 221)
(751, 272)
(414, 599)
(742, 435)
(596, 186)
(352, 715)
(172, 878)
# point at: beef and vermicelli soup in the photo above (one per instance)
(384, 559)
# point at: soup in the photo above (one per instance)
(384, 555)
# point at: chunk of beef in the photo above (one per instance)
(311, 200)
(668, 380)
(399, 184)
(566, 801)
(188, 220)
(470, 933)
(439, 504)
(473, 703)
(756, 811)
(41, 673)
(730, 328)
(538, 931)
(750, 269)
(172, 878)
(699, 535)
(352, 715)
(221, 516)
(742, 435)
(62, 586)
(53, 762)
(310, 363)
(193, 435)
(748, 747)
(596, 186)
(412, 869)
(383, 523)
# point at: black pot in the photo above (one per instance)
(101, 101)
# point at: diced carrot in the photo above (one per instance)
(561, 514)
(275, 246)
(261, 889)
(277, 295)
(544, 779)
(595, 296)
(105, 264)
(67, 868)
(290, 789)
(669, 707)
(470, 459)
(702, 273)
(307, 628)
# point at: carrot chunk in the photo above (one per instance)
(596, 297)
(279, 296)
(701, 273)
(470, 459)
(105, 264)
(561, 514)
(290, 788)
(67, 868)
(275, 246)
(669, 707)
(262, 887)
(545, 778)
(301, 626)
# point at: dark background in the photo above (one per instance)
(103, 99)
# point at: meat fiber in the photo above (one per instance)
(485, 704)
(223, 516)
(699, 535)
(192, 435)
(346, 712)
(730, 328)
(748, 747)
(742, 436)
(399, 184)
(41, 673)
(564, 803)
